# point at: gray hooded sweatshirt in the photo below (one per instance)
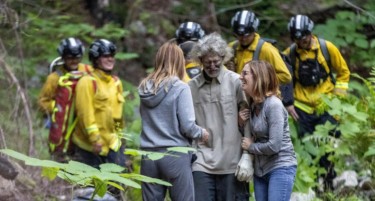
(168, 117)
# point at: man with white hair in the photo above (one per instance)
(218, 97)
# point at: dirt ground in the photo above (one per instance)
(30, 186)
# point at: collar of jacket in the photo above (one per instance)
(253, 44)
(102, 75)
(192, 65)
(314, 46)
(219, 78)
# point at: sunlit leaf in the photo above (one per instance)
(370, 152)
(111, 167)
(362, 43)
(349, 129)
(100, 187)
(182, 149)
(50, 172)
(146, 179)
(115, 185)
(117, 178)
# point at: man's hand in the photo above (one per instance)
(339, 92)
(97, 148)
(245, 170)
(292, 112)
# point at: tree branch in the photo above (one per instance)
(359, 8)
(22, 93)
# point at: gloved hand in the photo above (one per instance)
(245, 168)
(340, 92)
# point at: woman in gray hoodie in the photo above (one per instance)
(168, 120)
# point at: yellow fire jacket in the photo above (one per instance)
(48, 93)
(194, 68)
(267, 53)
(99, 105)
(308, 98)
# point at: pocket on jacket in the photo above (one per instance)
(227, 104)
(120, 98)
(101, 101)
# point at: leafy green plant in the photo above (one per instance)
(348, 30)
(159, 155)
(108, 175)
(355, 148)
(83, 175)
(307, 168)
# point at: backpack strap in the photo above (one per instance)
(292, 57)
(56, 62)
(257, 49)
(234, 47)
(94, 84)
(324, 49)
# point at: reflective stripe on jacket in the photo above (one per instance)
(99, 102)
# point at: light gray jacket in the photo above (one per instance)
(168, 118)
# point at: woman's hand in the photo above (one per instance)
(205, 135)
(245, 143)
(243, 116)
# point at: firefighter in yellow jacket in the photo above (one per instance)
(313, 77)
(187, 34)
(245, 24)
(192, 68)
(99, 105)
(71, 51)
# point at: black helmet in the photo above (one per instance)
(244, 22)
(186, 47)
(101, 47)
(189, 31)
(71, 46)
(300, 26)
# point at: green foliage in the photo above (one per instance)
(348, 30)
(59, 27)
(306, 171)
(83, 175)
(353, 150)
(133, 123)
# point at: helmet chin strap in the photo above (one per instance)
(106, 71)
(69, 69)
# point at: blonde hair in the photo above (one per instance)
(169, 62)
(265, 82)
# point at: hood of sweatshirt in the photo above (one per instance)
(151, 99)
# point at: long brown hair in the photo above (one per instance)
(169, 62)
(265, 82)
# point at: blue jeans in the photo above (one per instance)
(276, 185)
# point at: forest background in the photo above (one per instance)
(30, 31)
